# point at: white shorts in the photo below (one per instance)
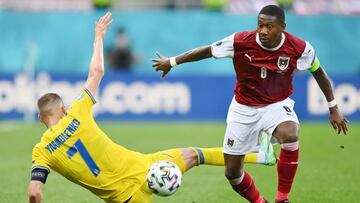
(245, 123)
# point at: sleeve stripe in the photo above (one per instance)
(41, 167)
(315, 65)
(90, 95)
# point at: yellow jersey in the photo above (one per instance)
(80, 151)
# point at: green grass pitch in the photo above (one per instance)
(329, 169)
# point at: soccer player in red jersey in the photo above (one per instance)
(264, 61)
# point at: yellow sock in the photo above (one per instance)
(210, 156)
(251, 158)
(215, 156)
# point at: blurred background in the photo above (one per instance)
(46, 46)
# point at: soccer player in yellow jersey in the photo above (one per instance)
(75, 147)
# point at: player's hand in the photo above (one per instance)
(103, 24)
(162, 64)
(338, 121)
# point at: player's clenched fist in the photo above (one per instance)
(103, 24)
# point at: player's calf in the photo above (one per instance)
(245, 186)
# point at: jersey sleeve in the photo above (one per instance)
(82, 105)
(308, 59)
(39, 158)
(223, 48)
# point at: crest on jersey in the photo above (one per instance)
(283, 62)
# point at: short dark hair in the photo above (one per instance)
(274, 10)
(47, 102)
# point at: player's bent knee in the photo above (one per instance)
(287, 132)
(289, 137)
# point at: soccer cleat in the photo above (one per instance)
(267, 148)
(283, 201)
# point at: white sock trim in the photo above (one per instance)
(290, 146)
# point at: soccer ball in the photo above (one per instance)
(164, 178)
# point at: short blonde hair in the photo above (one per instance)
(47, 103)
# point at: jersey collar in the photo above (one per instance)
(271, 49)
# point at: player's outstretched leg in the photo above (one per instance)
(215, 157)
(194, 156)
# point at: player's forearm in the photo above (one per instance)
(194, 55)
(324, 83)
(35, 199)
(34, 196)
(97, 59)
(35, 189)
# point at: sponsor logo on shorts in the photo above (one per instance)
(230, 142)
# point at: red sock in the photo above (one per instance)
(247, 189)
(287, 165)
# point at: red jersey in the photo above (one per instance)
(264, 75)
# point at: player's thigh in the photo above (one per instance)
(242, 130)
(173, 155)
(240, 139)
(280, 121)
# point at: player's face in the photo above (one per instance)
(269, 30)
